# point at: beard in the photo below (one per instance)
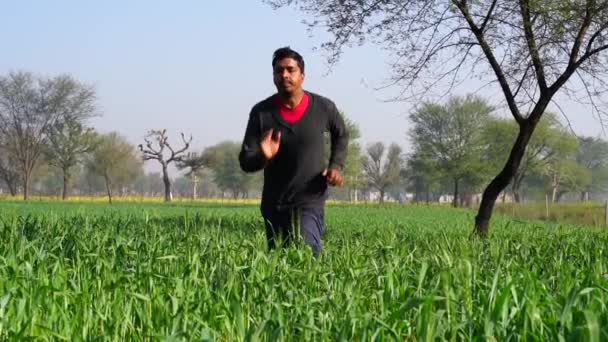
(285, 89)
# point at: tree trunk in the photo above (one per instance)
(558, 196)
(66, 182)
(12, 188)
(11, 182)
(167, 181)
(555, 186)
(108, 187)
(381, 200)
(194, 185)
(26, 185)
(500, 182)
(517, 180)
(455, 199)
(353, 192)
(516, 196)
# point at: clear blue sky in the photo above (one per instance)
(182, 64)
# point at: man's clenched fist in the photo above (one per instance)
(333, 176)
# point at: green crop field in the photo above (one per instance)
(72, 271)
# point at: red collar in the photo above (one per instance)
(292, 115)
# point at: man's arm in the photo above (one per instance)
(251, 157)
(339, 139)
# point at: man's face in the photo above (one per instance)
(287, 76)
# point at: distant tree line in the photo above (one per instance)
(48, 147)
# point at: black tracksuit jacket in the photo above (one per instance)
(293, 178)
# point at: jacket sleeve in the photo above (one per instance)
(339, 138)
(251, 157)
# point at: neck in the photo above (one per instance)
(293, 99)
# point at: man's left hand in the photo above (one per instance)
(333, 177)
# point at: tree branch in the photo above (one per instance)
(594, 36)
(488, 16)
(487, 50)
(589, 54)
(149, 153)
(581, 34)
(523, 79)
(532, 47)
(175, 154)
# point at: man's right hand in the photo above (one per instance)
(270, 143)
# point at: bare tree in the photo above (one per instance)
(29, 106)
(531, 49)
(162, 141)
(382, 170)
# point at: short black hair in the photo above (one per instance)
(287, 52)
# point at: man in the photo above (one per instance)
(284, 136)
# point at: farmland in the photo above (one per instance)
(197, 271)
